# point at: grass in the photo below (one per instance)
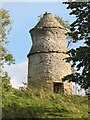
(33, 104)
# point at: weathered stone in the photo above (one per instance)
(46, 65)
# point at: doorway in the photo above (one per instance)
(58, 87)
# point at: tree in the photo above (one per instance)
(6, 82)
(62, 22)
(5, 27)
(5, 56)
(65, 24)
(79, 31)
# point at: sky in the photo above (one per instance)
(25, 17)
(33, 0)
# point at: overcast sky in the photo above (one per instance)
(25, 16)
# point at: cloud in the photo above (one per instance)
(77, 90)
(18, 73)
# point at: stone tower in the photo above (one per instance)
(46, 66)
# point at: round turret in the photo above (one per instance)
(46, 66)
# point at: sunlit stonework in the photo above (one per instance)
(46, 66)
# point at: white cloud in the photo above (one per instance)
(18, 73)
(77, 90)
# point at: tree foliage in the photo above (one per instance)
(62, 22)
(59, 19)
(5, 27)
(5, 56)
(80, 31)
(6, 82)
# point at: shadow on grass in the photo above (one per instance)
(14, 111)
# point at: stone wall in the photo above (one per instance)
(48, 39)
(46, 64)
(47, 67)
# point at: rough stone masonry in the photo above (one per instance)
(46, 66)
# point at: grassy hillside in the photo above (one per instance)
(35, 104)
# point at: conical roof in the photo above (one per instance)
(48, 20)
